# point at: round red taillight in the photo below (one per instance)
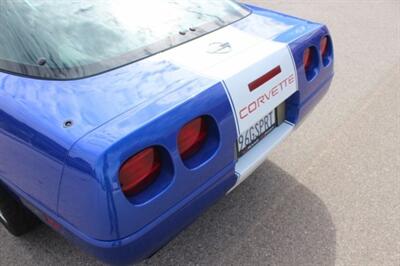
(192, 136)
(307, 59)
(324, 46)
(139, 171)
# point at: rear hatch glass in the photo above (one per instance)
(79, 38)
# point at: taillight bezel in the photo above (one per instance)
(311, 64)
(188, 148)
(208, 146)
(159, 183)
(326, 55)
(132, 185)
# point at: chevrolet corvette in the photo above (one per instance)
(123, 121)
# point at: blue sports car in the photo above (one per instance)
(122, 121)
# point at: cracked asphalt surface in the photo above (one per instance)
(329, 195)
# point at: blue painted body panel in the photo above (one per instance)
(71, 174)
(98, 157)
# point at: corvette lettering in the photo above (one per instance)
(265, 97)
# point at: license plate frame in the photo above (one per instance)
(253, 135)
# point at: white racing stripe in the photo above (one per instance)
(241, 59)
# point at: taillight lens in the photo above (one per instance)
(324, 46)
(192, 136)
(140, 171)
(307, 59)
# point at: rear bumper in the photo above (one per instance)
(159, 232)
(156, 234)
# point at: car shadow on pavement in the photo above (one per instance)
(270, 219)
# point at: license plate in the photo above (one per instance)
(249, 138)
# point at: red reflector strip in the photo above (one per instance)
(265, 78)
(52, 223)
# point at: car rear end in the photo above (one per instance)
(212, 108)
(181, 152)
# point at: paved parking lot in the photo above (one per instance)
(329, 195)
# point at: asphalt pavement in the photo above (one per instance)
(329, 195)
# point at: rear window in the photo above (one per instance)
(69, 39)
